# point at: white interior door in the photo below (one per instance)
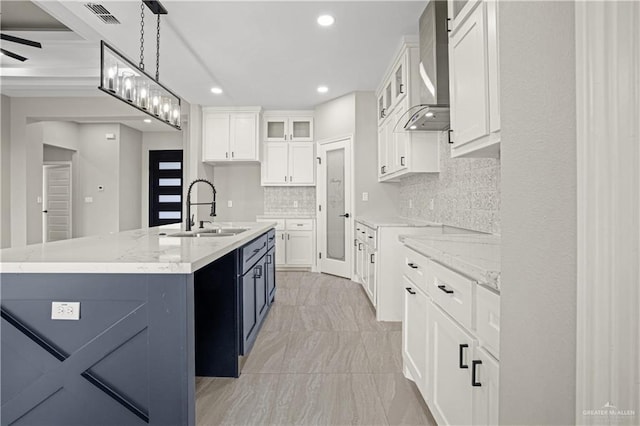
(335, 207)
(56, 202)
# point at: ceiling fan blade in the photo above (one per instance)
(20, 40)
(13, 55)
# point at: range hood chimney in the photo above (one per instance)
(432, 114)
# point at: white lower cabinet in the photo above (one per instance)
(486, 374)
(299, 248)
(295, 241)
(450, 352)
(455, 372)
(414, 336)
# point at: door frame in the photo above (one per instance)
(321, 229)
(608, 184)
(44, 198)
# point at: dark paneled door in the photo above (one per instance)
(165, 187)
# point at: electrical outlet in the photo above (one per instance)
(39, 200)
(65, 311)
(410, 204)
(229, 203)
(365, 196)
(88, 200)
(431, 204)
(295, 204)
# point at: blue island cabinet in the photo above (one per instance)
(132, 357)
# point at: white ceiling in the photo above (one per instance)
(266, 53)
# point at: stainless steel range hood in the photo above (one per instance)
(432, 114)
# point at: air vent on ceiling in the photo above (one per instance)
(101, 12)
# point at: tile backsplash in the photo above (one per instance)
(465, 194)
(280, 199)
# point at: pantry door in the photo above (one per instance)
(335, 207)
(56, 202)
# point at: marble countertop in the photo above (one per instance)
(474, 255)
(376, 222)
(141, 251)
(286, 215)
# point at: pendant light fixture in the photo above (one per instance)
(130, 83)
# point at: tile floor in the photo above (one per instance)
(321, 358)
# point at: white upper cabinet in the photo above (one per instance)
(301, 163)
(288, 128)
(474, 79)
(289, 151)
(230, 135)
(402, 153)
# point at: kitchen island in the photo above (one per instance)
(141, 314)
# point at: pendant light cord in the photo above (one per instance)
(141, 35)
(158, 51)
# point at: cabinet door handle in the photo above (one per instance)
(285, 137)
(257, 272)
(359, 246)
(401, 88)
(283, 237)
(268, 259)
(474, 369)
(412, 265)
(372, 258)
(288, 236)
(355, 242)
(290, 178)
(226, 155)
(462, 347)
(291, 137)
(448, 21)
(233, 154)
(450, 132)
(410, 291)
(443, 288)
(285, 178)
(402, 161)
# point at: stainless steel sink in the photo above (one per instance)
(216, 232)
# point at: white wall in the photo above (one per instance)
(98, 158)
(130, 190)
(239, 183)
(5, 172)
(355, 114)
(538, 159)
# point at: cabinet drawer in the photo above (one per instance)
(280, 223)
(488, 320)
(453, 292)
(372, 238)
(253, 251)
(414, 266)
(299, 224)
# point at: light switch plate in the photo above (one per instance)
(365, 196)
(229, 203)
(410, 204)
(88, 199)
(65, 311)
(295, 204)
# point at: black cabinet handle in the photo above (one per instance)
(449, 133)
(268, 259)
(462, 364)
(359, 246)
(443, 288)
(288, 236)
(355, 242)
(402, 161)
(474, 365)
(412, 265)
(371, 258)
(410, 291)
(401, 88)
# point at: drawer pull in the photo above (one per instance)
(443, 288)
(474, 365)
(371, 258)
(462, 364)
(257, 272)
(410, 291)
(359, 246)
(412, 265)
(299, 224)
(355, 242)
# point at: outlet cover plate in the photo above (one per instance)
(65, 311)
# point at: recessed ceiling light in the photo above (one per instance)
(413, 127)
(326, 20)
(323, 89)
(429, 114)
(147, 120)
(216, 90)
